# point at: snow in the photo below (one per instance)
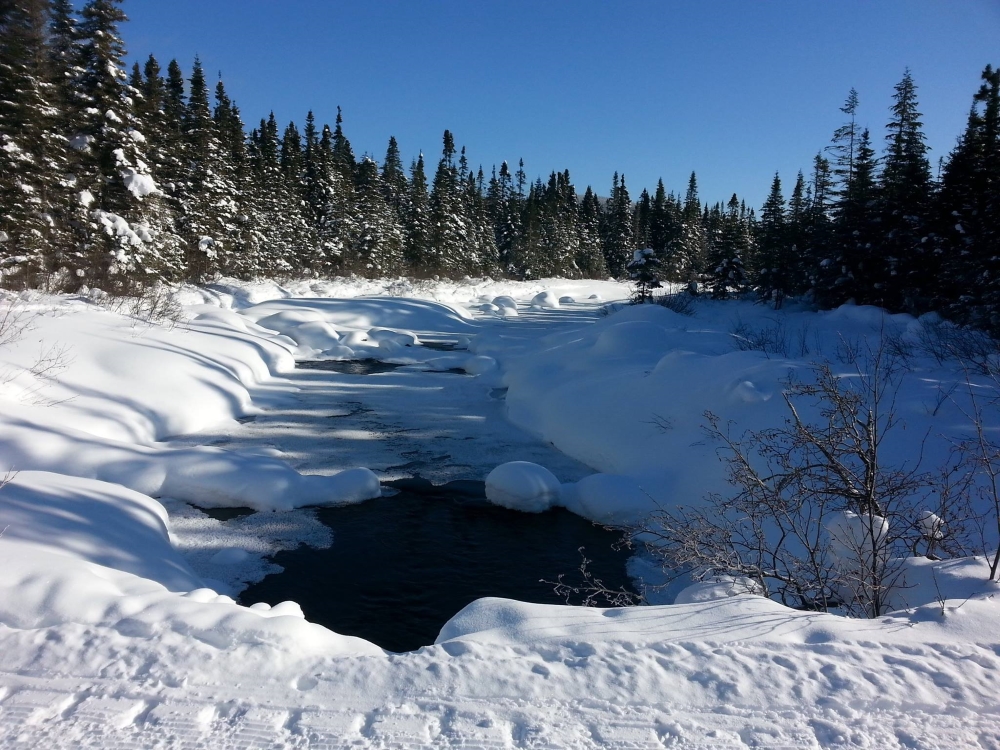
(140, 185)
(117, 621)
(546, 300)
(522, 485)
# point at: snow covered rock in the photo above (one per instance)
(545, 300)
(488, 307)
(567, 301)
(524, 486)
(716, 588)
(608, 498)
(505, 300)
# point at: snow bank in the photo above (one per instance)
(114, 387)
(521, 485)
(92, 562)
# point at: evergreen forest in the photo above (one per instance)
(118, 179)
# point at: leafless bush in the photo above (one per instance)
(817, 519)
(775, 339)
(771, 339)
(975, 349)
(153, 304)
(591, 591)
(979, 459)
(681, 303)
(15, 317)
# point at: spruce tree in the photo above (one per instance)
(449, 226)
(33, 158)
(378, 243)
(590, 255)
(905, 269)
(686, 254)
(417, 225)
(619, 236)
(968, 213)
(774, 252)
(853, 270)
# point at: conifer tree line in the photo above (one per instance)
(117, 179)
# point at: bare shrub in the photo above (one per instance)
(681, 303)
(591, 591)
(817, 518)
(153, 304)
(974, 349)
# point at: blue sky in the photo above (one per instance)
(732, 89)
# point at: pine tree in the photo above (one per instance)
(378, 243)
(590, 256)
(449, 227)
(727, 273)
(773, 249)
(122, 212)
(845, 143)
(905, 268)
(818, 225)
(242, 253)
(646, 272)
(504, 210)
(968, 213)
(417, 225)
(33, 157)
(394, 183)
(686, 253)
(851, 273)
(619, 236)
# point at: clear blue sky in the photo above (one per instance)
(730, 88)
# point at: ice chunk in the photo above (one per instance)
(524, 486)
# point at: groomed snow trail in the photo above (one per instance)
(689, 695)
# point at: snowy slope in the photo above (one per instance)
(108, 638)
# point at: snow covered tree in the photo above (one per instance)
(646, 272)
(686, 251)
(619, 235)
(206, 193)
(417, 225)
(449, 226)
(590, 253)
(377, 247)
(727, 274)
(504, 206)
(33, 155)
(121, 210)
(394, 183)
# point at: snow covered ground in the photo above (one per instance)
(117, 626)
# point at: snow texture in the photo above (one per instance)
(117, 623)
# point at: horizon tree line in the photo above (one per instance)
(119, 180)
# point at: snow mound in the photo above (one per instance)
(524, 486)
(607, 498)
(545, 300)
(567, 301)
(505, 300)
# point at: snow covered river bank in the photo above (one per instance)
(117, 622)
